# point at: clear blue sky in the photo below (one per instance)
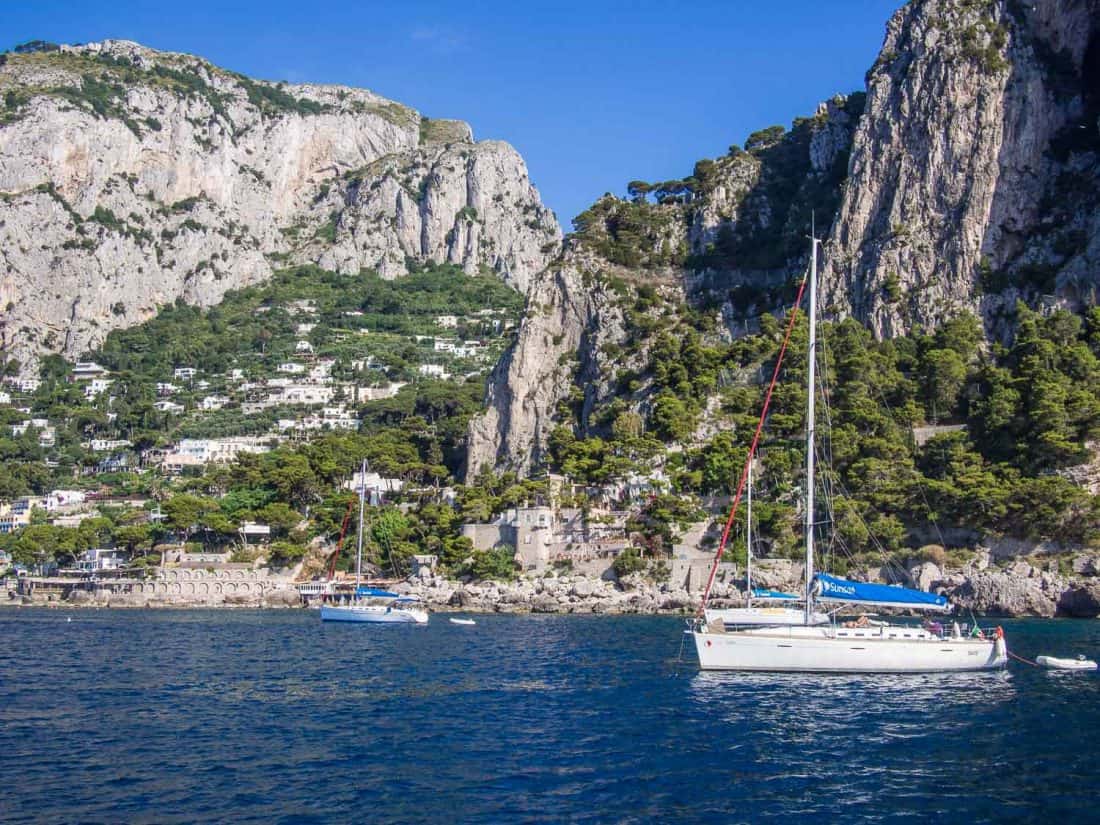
(592, 94)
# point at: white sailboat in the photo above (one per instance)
(370, 604)
(809, 645)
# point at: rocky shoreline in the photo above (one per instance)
(1018, 589)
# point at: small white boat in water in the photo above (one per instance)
(1054, 663)
(462, 621)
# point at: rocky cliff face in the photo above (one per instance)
(974, 170)
(570, 315)
(966, 178)
(131, 178)
(727, 238)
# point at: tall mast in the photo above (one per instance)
(362, 507)
(810, 376)
(748, 542)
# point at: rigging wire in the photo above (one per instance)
(752, 447)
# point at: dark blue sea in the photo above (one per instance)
(270, 716)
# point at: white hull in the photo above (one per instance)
(833, 650)
(378, 614)
(772, 616)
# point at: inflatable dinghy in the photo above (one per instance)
(471, 621)
(1080, 663)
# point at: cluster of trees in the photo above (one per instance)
(649, 228)
(1018, 416)
(256, 329)
(258, 325)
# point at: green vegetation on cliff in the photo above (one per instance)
(999, 429)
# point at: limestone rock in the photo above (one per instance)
(1000, 593)
(282, 598)
(952, 161)
(544, 603)
(193, 181)
(924, 575)
(460, 598)
(1082, 601)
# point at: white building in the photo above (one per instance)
(164, 388)
(433, 371)
(22, 427)
(291, 368)
(195, 452)
(253, 530)
(306, 394)
(97, 386)
(168, 407)
(87, 370)
(373, 482)
(214, 402)
(106, 445)
(339, 418)
(446, 321)
(102, 559)
(59, 499)
(304, 348)
(305, 329)
(47, 435)
(184, 373)
(5, 397)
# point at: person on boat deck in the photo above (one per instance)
(862, 621)
(933, 627)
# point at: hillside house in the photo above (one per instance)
(96, 387)
(87, 370)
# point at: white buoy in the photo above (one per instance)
(462, 621)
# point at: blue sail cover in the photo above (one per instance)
(764, 593)
(374, 592)
(886, 595)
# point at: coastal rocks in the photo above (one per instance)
(1000, 593)
(567, 594)
(924, 575)
(1081, 601)
(1086, 565)
(282, 598)
(545, 603)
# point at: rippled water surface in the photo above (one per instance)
(162, 716)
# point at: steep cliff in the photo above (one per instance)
(975, 169)
(131, 178)
(725, 240)
(967, 177)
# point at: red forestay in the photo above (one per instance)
(752, 448)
